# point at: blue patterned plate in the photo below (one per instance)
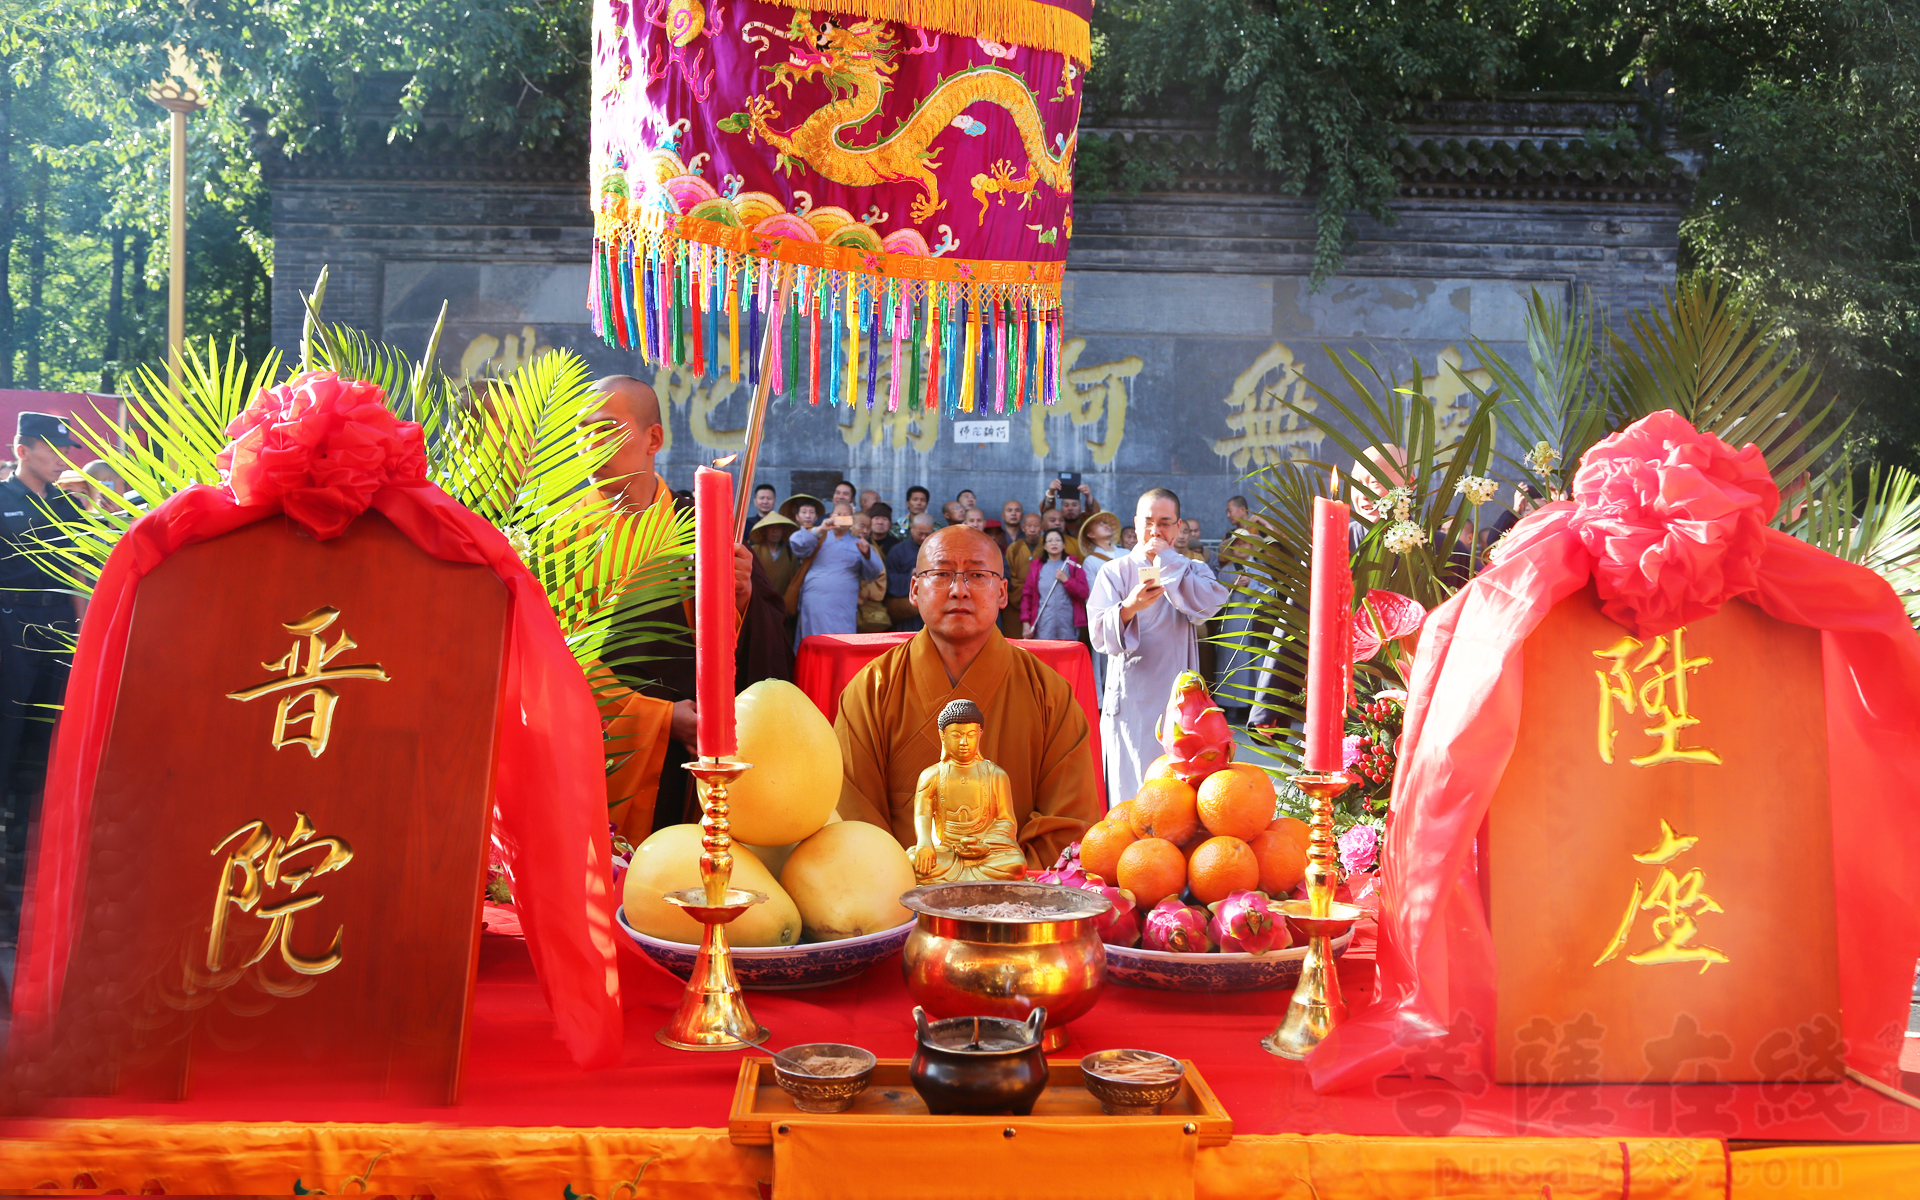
(782, 968)
(1172, 972)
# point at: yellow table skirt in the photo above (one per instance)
(235, 1158)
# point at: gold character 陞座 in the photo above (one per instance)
(1678, 899)
(1661, 697)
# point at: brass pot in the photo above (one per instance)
(961, 965)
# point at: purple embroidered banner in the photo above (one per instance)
(908, 181)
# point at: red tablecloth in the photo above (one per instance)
(518, 1074)
(827, 662)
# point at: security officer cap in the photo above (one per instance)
(44, 427)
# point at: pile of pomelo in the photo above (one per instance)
(835, 879)
(1205, 842)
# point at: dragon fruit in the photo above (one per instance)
(1176, 927)
(1246, 923)
(1119, 925)
(1194, 731)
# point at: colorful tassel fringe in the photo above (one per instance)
(843, 336)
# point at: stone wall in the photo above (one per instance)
(1187, 309)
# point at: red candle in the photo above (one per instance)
(713, 615)
(1330, 623)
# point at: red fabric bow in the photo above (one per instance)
(320, 446)
(1674, 519)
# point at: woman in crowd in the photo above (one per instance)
(1053, 603)
(837, 560)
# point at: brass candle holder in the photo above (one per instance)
(1317, 1007)
(713, 1012)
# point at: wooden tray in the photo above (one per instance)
(758, 1103)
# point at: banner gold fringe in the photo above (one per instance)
(1021, 22)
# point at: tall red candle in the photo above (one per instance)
(1330, 624)
(714, 624)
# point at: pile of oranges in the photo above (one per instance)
(1209, 842)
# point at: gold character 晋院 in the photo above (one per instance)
(258, 862)
(308, 667)
(1661, 697)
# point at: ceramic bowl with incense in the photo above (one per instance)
(1132, 1082)
(823, 1077)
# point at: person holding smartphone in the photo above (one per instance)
(1073, 498)
(839, 559)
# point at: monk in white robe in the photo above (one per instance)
(1035, 730)
(1148, 628)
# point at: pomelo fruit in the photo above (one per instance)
(773, 858)
(670, 860)
(795, 781)
(846, 881)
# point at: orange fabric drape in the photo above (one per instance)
(261, 1158)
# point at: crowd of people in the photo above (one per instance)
(844, 562)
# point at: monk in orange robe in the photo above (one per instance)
(647, 706)
(1035, 729)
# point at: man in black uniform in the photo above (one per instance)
(37, 624)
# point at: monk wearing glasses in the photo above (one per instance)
(1034, 730)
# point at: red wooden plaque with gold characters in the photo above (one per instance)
(1659, 860)
(289, 825)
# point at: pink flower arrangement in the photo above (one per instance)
(1359, 848)
(320, 446)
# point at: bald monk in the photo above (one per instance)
(645, 684)
(1035, 730)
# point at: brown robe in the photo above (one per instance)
(1036, 732)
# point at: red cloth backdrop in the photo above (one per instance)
(322, 450)
(1669, 523)
(827, 661)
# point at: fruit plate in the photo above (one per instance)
(781, 968)
(1172, 972)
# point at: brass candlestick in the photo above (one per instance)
(1316, 1007)
(713, 1013)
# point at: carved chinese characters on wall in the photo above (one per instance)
(310, 757)
(1658, 856)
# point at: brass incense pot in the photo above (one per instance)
(962, 964)
(979, 1065)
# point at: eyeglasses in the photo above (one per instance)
(969, 579)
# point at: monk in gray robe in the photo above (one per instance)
(1143, 613)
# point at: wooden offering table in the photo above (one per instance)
(529, 1123)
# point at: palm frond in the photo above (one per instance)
(1561, 403)
(1878, 527)
(1706, 356)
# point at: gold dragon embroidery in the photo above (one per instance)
(854, 62)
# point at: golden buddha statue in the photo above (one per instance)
(963, 809)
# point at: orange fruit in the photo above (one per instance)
(1165, 808)
(1100, 848)
(1236, 801)
(1121, 812)
(1295, 828)
(1161, 768)
(1152, 869)
(1282, 859)
(1221, 866)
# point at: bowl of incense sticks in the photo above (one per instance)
(1132, 1083)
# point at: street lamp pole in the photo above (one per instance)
(179, 94)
